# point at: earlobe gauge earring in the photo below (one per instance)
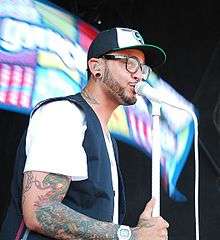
(98, 75)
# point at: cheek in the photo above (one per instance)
(118, 73)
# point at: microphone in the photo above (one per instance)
(143, 88)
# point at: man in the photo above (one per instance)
(68, 162)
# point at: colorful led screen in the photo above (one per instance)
(43, 54)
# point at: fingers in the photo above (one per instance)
(164, 233)
(166, 224)
(147, 213)
(162, 223)
(152, 228)
(158, 222)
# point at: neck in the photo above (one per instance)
(100, 102)
(88, 97)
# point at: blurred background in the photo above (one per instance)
(189, 34)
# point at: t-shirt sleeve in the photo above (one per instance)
(54, 140)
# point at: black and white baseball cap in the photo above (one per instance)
(124, 38)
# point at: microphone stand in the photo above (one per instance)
(156, 155)
(146, 90)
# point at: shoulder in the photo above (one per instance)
(61, 108)
(57, 112)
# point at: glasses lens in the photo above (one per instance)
(132, 65)
(146, 71)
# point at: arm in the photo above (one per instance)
(45, 213)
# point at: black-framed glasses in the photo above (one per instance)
(132, 64)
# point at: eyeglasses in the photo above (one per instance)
(132, 64)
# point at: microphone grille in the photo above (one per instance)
(139, 87)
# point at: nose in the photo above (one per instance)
(138, 76)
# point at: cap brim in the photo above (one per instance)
(154, 55)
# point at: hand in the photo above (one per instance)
(149, 227)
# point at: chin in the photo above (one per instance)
(126, 99)
(129, 101)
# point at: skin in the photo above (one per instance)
(121, 88)
(43, 192)
(115, 86)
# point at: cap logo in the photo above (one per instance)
(138, 37)
(134, 33)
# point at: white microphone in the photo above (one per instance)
(143, 88)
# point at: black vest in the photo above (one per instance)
(93, 197)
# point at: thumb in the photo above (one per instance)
(147, 213)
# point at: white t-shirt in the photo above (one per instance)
(54, 140)
(114, 172)
(54, 144)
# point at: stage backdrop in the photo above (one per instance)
(43, 54)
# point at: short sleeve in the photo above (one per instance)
(54, 140)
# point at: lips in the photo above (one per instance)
(132, 85)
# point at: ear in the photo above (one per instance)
(94, 65)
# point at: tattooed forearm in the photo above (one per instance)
(61, 222)
(54, 219)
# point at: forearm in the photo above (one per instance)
(61, 222)
(45, 213)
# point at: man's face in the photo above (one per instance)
(118, 81)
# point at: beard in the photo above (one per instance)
(116, 91)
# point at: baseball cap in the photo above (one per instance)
(124, 38)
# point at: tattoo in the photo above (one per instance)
(61, 222)
(57, 186)
(88, 97)
(27, 183)
(28, 179)
(58, 221)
